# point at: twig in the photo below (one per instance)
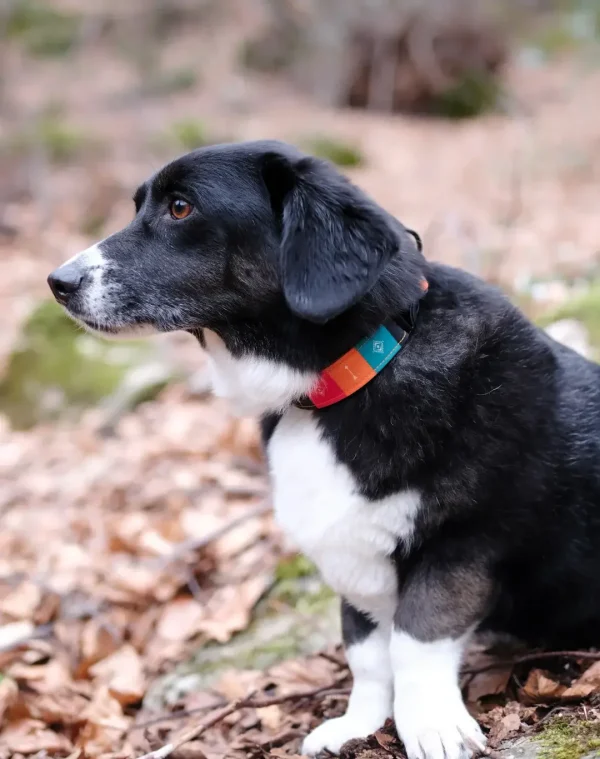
(197, 543)
(180, 714)
(248, 702)
(591, 655)
(340, 663)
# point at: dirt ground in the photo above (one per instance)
(124, 551)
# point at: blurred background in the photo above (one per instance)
(138, 560)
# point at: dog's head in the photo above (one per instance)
(230, 232)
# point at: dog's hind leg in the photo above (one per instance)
(439, 607)
(368, 653)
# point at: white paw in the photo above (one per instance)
(334, 733)
(440, 729)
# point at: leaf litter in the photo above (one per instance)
(120, 559)
(125, 548)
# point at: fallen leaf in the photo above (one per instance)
(230, 608)
(123, 675)
(98, 641)
(540, 687)
(104, 724)
(235, 684)
(29, 736)
(42, 678)
(22, 602)
(271, 717)
(9, 692)
(510, 723)
(385, 740)
(488, 683)
(584, 686)
(180, 619)
(63, 706)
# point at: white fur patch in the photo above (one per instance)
(370, 702)
(253, 385)
(317, 503)
(96, 298)
(429, 712)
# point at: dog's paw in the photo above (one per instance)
(334, 733)
(437, 730)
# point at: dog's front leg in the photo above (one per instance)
(438, 608)
(368, 653)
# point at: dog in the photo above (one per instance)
(435, 453)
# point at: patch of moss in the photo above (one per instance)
(57, 367)
(566, 738)
(475, 93)
(45, 31)
(189, 134)
(294, 567)
(60, 141)
(584, 308)
(335, 150)
(157, 84)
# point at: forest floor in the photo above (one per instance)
(146, 596)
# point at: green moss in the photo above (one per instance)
(337, 151)
(43, 30)
(294, 567)
(157, 84)
(584, 308)
(474, 94)
(61, 142)
(566, 738)
(57, 367)
(189, 134)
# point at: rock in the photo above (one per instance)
(571, 333)
(142, 383)
(522, 748)
(57, 369)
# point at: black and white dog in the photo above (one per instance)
(436, 454)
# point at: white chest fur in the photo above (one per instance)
(317, 504)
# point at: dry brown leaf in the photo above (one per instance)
(235, 684)
(47, 609)
(105, 724)
(98, 641)
(230, 608)
(22, 602)
(540, 687)
(510, 723)
(122, 673)
(385, 740)
(237, 539)
(488, 683)
(271, 717)
(9, 692)
(59, 707)
(29, 736)
(588, 683)
(180, 619)
(42, 678)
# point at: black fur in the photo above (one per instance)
(494, 423)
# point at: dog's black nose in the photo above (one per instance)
(64, 281)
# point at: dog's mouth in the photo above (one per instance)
(110, 329)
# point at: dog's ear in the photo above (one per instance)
(334, 241)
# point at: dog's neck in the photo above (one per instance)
(264, 366)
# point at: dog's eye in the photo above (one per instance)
(179, 209)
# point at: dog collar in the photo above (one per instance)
(360, 364)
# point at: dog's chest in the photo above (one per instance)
(317, 503)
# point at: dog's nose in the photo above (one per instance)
(64, 281)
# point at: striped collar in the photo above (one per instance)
(361, 364)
